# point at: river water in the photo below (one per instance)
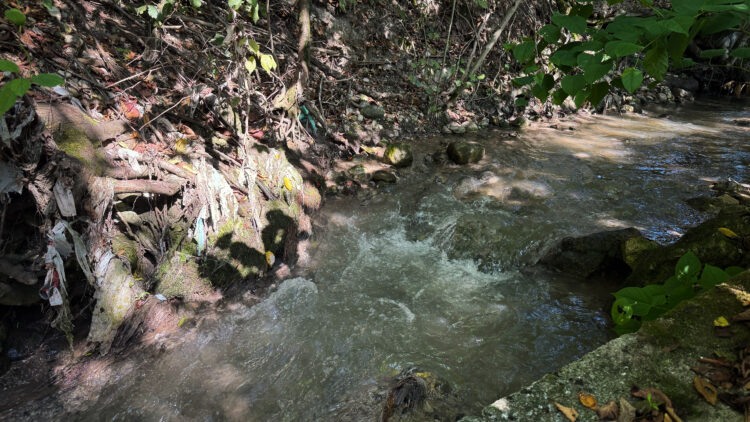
(433, 274)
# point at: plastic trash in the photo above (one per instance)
(64, 197)
(161, 297)
(200, 231)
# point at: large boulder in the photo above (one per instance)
(398, 155)
(706, 241)
(463, 152)
(595, 254)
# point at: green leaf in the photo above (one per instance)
(524, 51)
(47, 79)
(688, 7)
(598, 92)
(550, 33)
(267, 62)
(196, 3)
(688, 267)
(564, 58)
(51, 9)
(250, 64)
(656, 62)
(524, 80)
(581, 97)
(593, 66)
(8, 66)
(522, 102)
(619, 49)
(15, 16)
(720, 22)
(712, 277)
(708, 54)
(632, 79)
(582, 10)
(742, 52)
(559, 96)
(19, 86)
(548, 82)
(7, 99)
(540, 92)
(628, 327)
(153, 12)
(140, 9)
(235, 4)
(574, 24)
(676, 45)
(573, 84)
(672, 283)
(734, 270)
(679, 24)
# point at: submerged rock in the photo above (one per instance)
(384, 176)
(520, 122)
(358, 173)
(596, 254)
(463, 152)
(398, 155)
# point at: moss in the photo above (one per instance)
(235, 254)
(76, 144)
(122, 245)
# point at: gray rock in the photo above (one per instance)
(472, 127)
(594, 254)
(371, 111)
(463, 152)
(384, 176)
(398, 155)
(520, 122)
(358, 173)
(457, 128)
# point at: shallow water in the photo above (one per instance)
(391, 285)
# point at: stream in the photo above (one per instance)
(433, 275)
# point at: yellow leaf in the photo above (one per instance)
(174, 161)
(287, 183)
(728, 233)
(705, 389)
(182, 321)
(587, 400)
(270, 258)
(721, 322)
(368, 150)
(180, 146)
(569, 412)
(123, 144)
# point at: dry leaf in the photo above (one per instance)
(569, 412)
(706, 390)
(608, 411)
(587, 400)
(721, 322)
(180, 146)
(627, 411)
(728, 233)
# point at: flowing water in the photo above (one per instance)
(433, 275)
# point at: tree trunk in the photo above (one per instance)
(303, 50)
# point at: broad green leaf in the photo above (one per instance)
(619, 49)
(632, 79)
(235, 4)
(720, 22)
(250, 64)
(524, 80)
(708, 54)
(7, 99)
(51, 9)
(656, 62)
(564, 58)
(598, 92)
(679, 24)
(47, 79)
(676, 45)
(742, 52)
(19, 86)
(734, 270)
(559, 96)
(712, 276)
(548, 82)
(582, 10)
(550, 33)
(688, 7)
(253, 46)
(8, 66)
(522, 102)
(688, 267)
(678, 295)
(267, 62)
(540, 92)
(581, 97)
(593, 67)
(15, 16)
(574, 24)
(573, 84)
(524, 51)
(140, 9)
(672, 283)
(196, 3)
(628, 327)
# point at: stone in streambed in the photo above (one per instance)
(358, 173)
(384, 176)
(372, 111)
(398, 155)
(461, 152)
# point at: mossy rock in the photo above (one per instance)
(235, 254)
(659, 356)
(463, 152)
(358, 173)
(180, 277)
(656, 265)
(384, 176)
(398, 155)
(122, 245)
(77, 145)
